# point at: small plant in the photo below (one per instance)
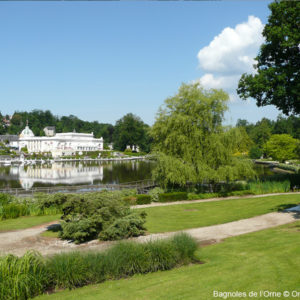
(154, 194)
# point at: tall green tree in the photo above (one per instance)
(190, 143)
(131, 130)
(282, 147)
(277, 80)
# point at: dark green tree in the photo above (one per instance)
(277, 80)
(131, 130)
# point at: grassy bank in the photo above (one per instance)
(260, 261)
(26, 222)
(184, 216)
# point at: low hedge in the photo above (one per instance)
(31, 275)
(143, 199)
(175, 196)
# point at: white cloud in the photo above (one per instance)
(233, 50)
(211, 81)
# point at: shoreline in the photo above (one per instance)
(30, 161)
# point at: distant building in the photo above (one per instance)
(49, 131)
(61, 144)
(12, 140)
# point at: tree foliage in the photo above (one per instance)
(282, 147)
(277, 80)
(39, 119)
(190, 142)
(131, 130)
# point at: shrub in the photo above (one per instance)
(53, 200)
(80, 230)
(143, 199)
(129, 226)
(85, 216)
(154, 194)
(175, 196)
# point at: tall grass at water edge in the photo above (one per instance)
(265, 187)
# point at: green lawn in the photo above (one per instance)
(267, 260)
(179, 217)
(184, 216)
(26, 222)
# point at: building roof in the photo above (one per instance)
(27, 132)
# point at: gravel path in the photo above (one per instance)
(18, 242)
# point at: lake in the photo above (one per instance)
(73, 173)
(82, 173)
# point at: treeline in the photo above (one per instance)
(129, 130)
(264, 132)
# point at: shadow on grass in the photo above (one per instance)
(54, 228)
(284, 209)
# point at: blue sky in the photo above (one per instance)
(101, 60)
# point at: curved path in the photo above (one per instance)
(18, 242)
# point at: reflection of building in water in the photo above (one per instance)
(60, 144)
(59, 174)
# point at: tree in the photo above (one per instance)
(281, 147)
(261, 133)
(131, 130)
(277, 80)
(190, 143)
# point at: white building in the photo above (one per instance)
(60, 144)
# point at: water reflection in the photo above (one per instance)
(73, 173)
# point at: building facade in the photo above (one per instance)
(61, 144)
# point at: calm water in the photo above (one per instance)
(79, 173)
(73, 173)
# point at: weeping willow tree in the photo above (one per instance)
(190, 143)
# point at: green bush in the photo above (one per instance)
(129, 226)
(143, 199)
(175, 196)
(85, 216)
(154, 194)
(52, 200)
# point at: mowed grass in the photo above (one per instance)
(26, 222)
(184, 216)
(267, 260)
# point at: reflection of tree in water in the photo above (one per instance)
(127, 171)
